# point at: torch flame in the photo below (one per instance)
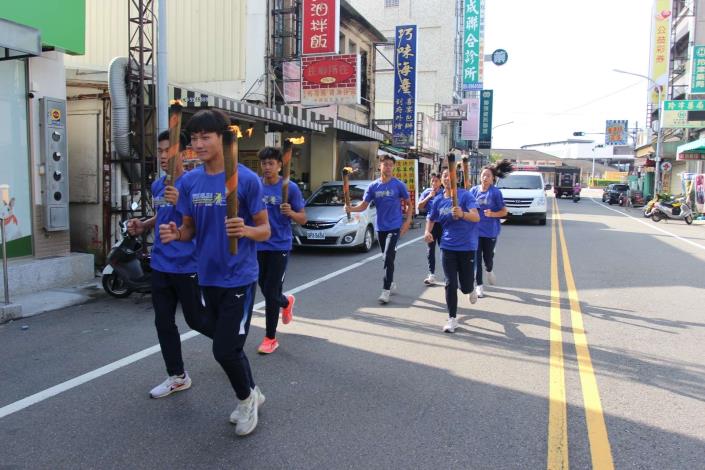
(177, 103)
(297, 140)
(348, 170)
(249, 132)
(236, 130)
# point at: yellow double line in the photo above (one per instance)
(600, 452)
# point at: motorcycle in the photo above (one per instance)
(128, 269)
(649, 207)
(676, 210)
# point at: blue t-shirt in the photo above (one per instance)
(491, 199)
(458, 234)
(429, 204)
(175, 257)
(387, 197)
(281, 225)
(203, 199)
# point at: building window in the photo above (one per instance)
(391, 3)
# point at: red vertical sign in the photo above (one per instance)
(321, 19)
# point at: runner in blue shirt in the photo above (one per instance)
(389, 195)
(228, 282)
(492, 209)
(458, 244)
(426, 202)
(273, 254)
(174, 278)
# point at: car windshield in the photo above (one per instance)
(620, 187)
(520, 182)
(333, 196)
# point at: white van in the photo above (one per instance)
(524, 195)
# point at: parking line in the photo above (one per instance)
(113, 366)
(557, 457)
(652, 225)
(600, 450)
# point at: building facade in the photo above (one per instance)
(36, 37)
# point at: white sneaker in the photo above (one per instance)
(172, 384)
(480, 291)
(450, 325)
(393, 288)
(384, 297)
(247, 413)
(235, 415)
(472, 296)
(430, 279)
(491, 278)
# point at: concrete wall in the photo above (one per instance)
(324, 157)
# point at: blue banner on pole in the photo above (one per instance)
(404, 122)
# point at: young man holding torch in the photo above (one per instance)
(389, 195)
(273, 254)
(173, 272)
(456, 211)
(228, 281)
(426, 203)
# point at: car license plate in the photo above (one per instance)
(315, 235)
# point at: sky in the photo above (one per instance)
(559, 77)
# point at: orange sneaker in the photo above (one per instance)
(288, 311)
(268, 346)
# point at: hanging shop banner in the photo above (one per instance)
(431, 134)
(403, 129)
(470, 129)
(473, 44)
(331, 79)
(660, 46)
(697, 74)
(291, 72)
(485, 140)
(407, 171)
(320, 26)
(616, 132)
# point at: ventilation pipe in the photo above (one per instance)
(120, 119)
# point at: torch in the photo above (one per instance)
(466, 179)
(286, 164)
(172, 172)
(230, 154)
(453, 179)
(347, 171)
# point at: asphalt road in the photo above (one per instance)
(527, 381)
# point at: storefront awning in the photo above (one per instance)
(352, 131)
(18, 41)
(692, 150)
(283, 116)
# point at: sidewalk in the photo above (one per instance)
(28, 305)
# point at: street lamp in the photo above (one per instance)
(503, 124)
(659, 133)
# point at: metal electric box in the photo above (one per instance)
(54, 148)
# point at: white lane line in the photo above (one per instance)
(113, 366)
(651, 225)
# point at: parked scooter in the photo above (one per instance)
(128, 269)
(676, 210)
(576, 192)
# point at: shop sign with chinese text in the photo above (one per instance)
(320, 26)
(403, 129)
(660, 45)
(407, 171)
(675, 114)
(473, 47)
(485, 140)
(616, 132)
(697, 65)
(332, 79)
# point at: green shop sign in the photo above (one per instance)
(61, 24)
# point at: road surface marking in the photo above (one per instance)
(557, 414)
(600, 451)
(652, 225)
(113, 366)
